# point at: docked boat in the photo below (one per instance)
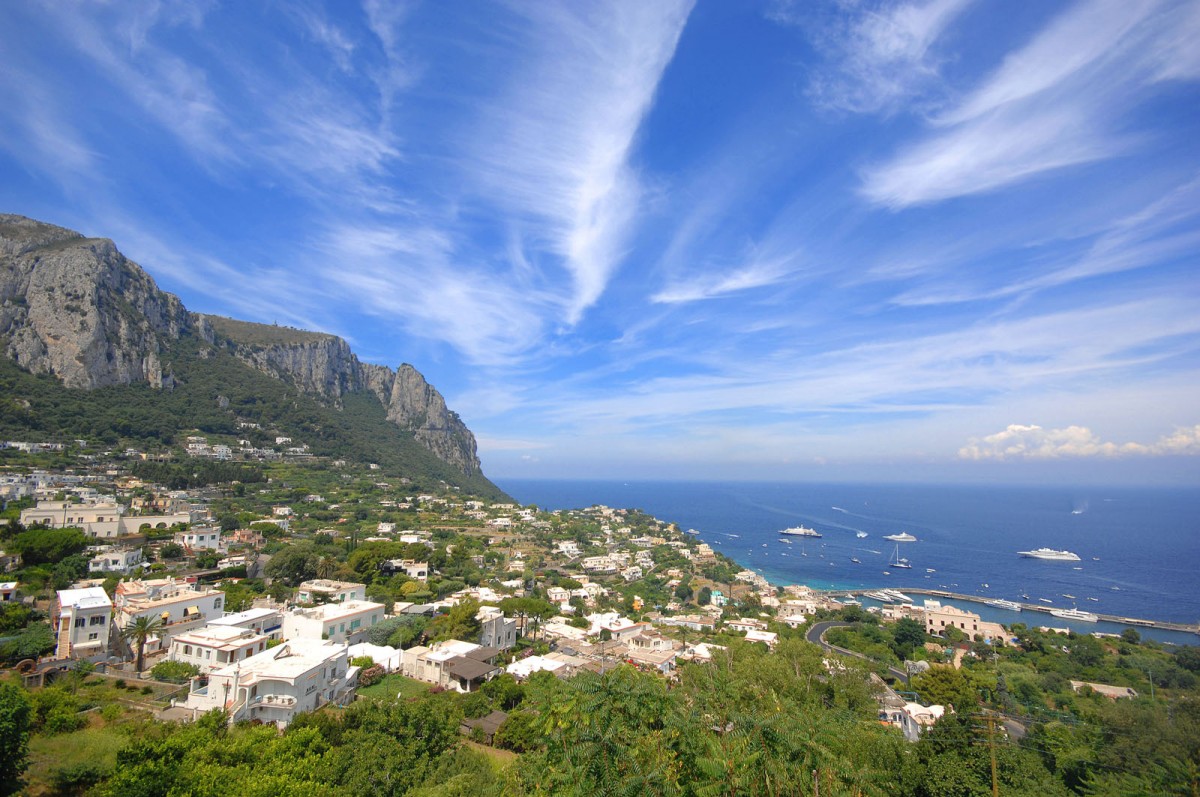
(898, 560)
(1050, 553)
(1000, 603)
(879, 595)
(898, 596)
(800, 531)
(850, 600)
(903, 536)
(1045, 600)
(1074, 614)
(1068, 597)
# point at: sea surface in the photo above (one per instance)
(1139, 547)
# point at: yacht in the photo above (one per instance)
(879, 595)
(1000, 603)
(903, 536)
(850, 600)
(692, 531)
(1074, 614)
(898, 596)
(800, 531)
(1050, 553)
(898, 560)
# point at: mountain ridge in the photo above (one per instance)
(75, 308)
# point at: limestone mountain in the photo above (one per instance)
(76, 309)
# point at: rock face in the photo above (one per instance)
(76, 308)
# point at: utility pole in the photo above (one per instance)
(816, 784)
(989, 721)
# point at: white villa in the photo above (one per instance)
(180, 605)
(452, 664)
(214, 646)
(347, 621)
(200, 539)
(103, 519)
(81, 620)
(116, 560)
(263, 621)
(329, 591)
(279, 683)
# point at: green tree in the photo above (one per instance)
(140, 630)
(908, 635)
(14, 736)
(48, 546)
(458, 623)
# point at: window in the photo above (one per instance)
(355, 624)
(80, 622)
(208, 654)
(187, 650)
(93, 636)
(217, 603)
(96, 620)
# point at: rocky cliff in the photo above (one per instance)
(76, 308)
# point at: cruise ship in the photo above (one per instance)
(800, 531)
(1050, 553)
(1074, 614)
(903, 536)
(1000, 603)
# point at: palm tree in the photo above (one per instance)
(138, 631)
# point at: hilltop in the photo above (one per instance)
(94, 350)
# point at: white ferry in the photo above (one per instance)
(1050, 553)
(1074, 614)
(800, 531)
(903, 536)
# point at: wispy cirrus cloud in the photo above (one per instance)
(881, 56)
(712, 286)
(557, 147)
(1019, 441)
(1053, 104)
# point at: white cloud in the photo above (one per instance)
(1055, 103)
(555, 149)
(1033, 442)
(755, 275)
(884, 56)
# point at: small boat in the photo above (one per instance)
(855, 560)
(1116, 589)
(691, 531)
(786, 542)
(764, 545)
(861, 535)
(1076, 568)
(887, 572)
(985, 586)
(930, 570)
(1094, 599)
(1045, 600)
(1026, 597)
(1095, 558)
(1068, 597)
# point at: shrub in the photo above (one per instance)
(77, 778)
(371, 675)
(174, 671)
(147, 690)
(119, 683)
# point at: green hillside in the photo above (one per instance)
(213, 391)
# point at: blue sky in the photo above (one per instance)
(943, 239)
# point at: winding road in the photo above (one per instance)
(816, 635)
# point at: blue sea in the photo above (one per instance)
(1139, 547)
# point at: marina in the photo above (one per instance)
(1192, 628)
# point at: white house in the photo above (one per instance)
(263, 621)
(179, 605)
(452, 664)
(215, 646)
(116, 560)
(199, 539)
(496, 630)
(81, 620)
(347, 621)
(329, 591)
(279, 683)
